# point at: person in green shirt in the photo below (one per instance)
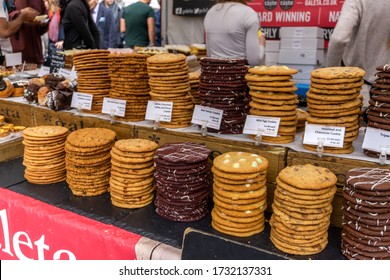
(137, 22)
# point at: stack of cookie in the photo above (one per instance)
(301, 121)
(194, 84)
(239, 193)
(273, 95)
(130, 82)
(44, 154)
(379, 109)
(132, 173)
(169, 82)
(88, 160)
(366, 214)
(334, 99)
(223, 86)
(302, 208)
(378, 112)
(93, 76)
(182, 181)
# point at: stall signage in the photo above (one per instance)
(329, 136)
(57, 62)
(266, 126)
(207, 116)
(192, 7)
(33, 230)
(274, 14)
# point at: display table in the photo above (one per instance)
(181, 239)
(92, 228)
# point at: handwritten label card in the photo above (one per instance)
(116, 106)
(82, 100)
(57, 62)
(268, 125)
(208, 116)
(159, 110)
(333, 136)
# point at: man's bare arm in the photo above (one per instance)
(7, 28)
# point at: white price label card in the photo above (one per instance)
(44, 70)
(268, 125)
(73, 73)
(208, 116)
(158, 110)
(82, 100)
(114, 106)
(13, 59)
(375, 139)
(65, 73)
(331, 136)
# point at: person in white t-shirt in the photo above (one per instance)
(231, 28)
(7, 28)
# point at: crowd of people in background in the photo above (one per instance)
(103, 24)
(74, 24)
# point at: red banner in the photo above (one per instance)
(277, 13)
(31, 229)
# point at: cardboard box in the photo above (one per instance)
(272, 46)
(339, 166)
(302, 56)
(302, 43)
(271, 58)
(304, 71)
(301, 32)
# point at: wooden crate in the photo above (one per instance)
(45, 116)
(276, 156)
(16, 113)
(339, 166)
(11, 149)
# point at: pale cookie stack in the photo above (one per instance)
(169, 82)
(44, 154)
(223, 86)
(302, 208)
(130, 82)
(366, 214)
(378, 112)
(182, 181)
(194, 84)
(132, 173)
(88, 160)
(334, 99)
(301, 122)
(273, 95)
(93, 76)
(239, 193)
